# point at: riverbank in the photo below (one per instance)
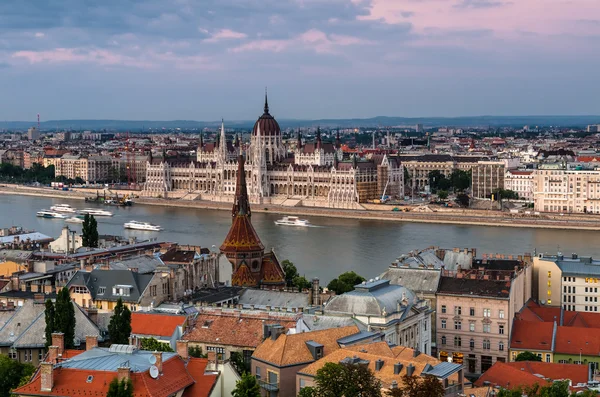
(382, 213)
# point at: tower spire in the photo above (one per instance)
(266, 102)
(241, 205)
(223, 143)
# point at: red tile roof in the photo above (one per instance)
(573, 340)
(504, 375)
(155, 324)
(523, 373)
(175, 377)
(530, 335)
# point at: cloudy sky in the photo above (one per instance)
(207, 59)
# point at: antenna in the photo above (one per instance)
(38, 121)
(154, 372)
(152, 359)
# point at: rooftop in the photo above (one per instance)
(477, 287)
(155, 324)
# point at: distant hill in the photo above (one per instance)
(379, 121)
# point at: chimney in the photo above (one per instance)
(123, 373)
(47, 375)
(398, 368)
(212, 361)
(268, 308)
(410, 370)
(182, 349)
(82, 264)
(378, 364)
(315, 292)
(53, 354)
(416, 353)
(276, 330)
(91, 341)
(92, 313)
(158, 363)
(58, 339)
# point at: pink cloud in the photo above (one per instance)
(225, 34)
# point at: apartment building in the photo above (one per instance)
(520, 181)
(89, 168)
(474, 312)
(419, 166)
(487, 177)
(567, 190)
(568, 282)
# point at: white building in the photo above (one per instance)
(520, 181)
(563, 190)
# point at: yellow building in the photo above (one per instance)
(9, 267)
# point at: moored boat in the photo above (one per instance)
(135, 225)
(95, 212)
(74, 219)
(50, 214)
(63, 208)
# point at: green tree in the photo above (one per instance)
(406, 176)
(301, 283)
(442, 194)
(460, 180)
(290, 272)
(528, 356)
(64, 317)
(119, 327)
(153, 344)
(247, 386)
(438, 181)
(463, 199)
(13, 374)
(123, 388)
(345, 282)
(412, 386)
(346, 380)
(196, 351)
(49, 317)
(307, 392)
(89, 231)
(237, 360)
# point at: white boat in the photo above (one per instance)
(63, 208)
(142, 226)
(74, 219)
(50, 214)
(95, 212)
(292, 221)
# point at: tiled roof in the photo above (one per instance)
(507, 376)
(178, 256)
(573, 340)
(555, 371)
(292, 350)
(525, 373)
(204, 384)
(155, 324)
(245, 330)
(477, 287)
(110, 278)
(531, 335)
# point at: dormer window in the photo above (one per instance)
(101, 290)
(122, 290)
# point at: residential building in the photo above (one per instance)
(565, 190)
(151, 373)
(474, 312)
(570, 282)
(12, 156)
(90, 168)
(278, 359)
(165, 328)
(392, 310)
(389, 365)
(23, 336)
(487, 177)
(521, 182)
(102, 288)
(33, 134)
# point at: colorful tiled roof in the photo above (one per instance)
(575, 340)
(532, 335)
(271, 271)
(196, 367)
(243, 277)
(155, 324)
(292, 349)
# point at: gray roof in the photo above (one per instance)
(18, 256)
(418, 280)
(5, 315)
(428, 258)
(110, 278)
(315, 323)
(263, 298)
(579, 267)
(35, 236)
(144, 264)
(371, 299)
(443, 370)
(110, 359)
(22, 318)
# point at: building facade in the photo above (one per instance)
(487, 177)
(313, 175)
(91, 168)
(520, 182)
(567, 191)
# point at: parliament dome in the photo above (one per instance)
(267, 123)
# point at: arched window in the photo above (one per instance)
(457, 341)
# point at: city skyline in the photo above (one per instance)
(320, 59)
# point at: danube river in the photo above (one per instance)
(333, 246)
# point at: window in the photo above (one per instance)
(80, 290)
(302, 384)
(457, 310)
(487, 328)
(153, 290)
(472, 327)
(165, 288)
(501, 346)
(101, 290)
(457, 325)
(443, 324)
(549, 274)
(219, 350)
(501, 313)
(457, 341)
(472, 344)
(486, 344)
(257, 372)
(425, 325)
(501, 329)
(547, 357)
(443, 340)
(472, 311)
(443, 308)
(487, 312)
(12, 354)
(549, 301)
(28, 355)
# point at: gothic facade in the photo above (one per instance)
(314, 175)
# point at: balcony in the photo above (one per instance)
(268, 386)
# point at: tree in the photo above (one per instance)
(153, 345)
(301, 283)
(438, 181)
(290, 272)
(64, 317)
(442, 194)
(122, 388)
(247, 386)
(13, 374)
(238, 363)
(528, 356)
(196, 351)
(346, 380)
(463, 199)
(460, 180)
(345, 282)
(90, 231)
(49, 317)
(428, 386)
(307, 392)
(119, 327)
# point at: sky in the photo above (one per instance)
(212, 59)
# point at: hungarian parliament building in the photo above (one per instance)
(314, 174)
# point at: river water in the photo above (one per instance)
(333, 246)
